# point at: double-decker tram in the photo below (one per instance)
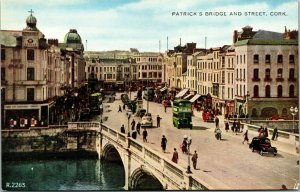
(182, 114)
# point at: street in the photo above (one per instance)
(225, 164)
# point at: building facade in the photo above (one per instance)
(266, 78)
(32, 75)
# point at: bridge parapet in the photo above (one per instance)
(173, 175)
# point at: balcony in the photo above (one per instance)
(292, 79)
(279, 79)
(267, 79)
(256, 79)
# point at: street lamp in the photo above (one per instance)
(189, 142)
(294, 111)
(128, 117)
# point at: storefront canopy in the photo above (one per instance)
(163, 89)
(195, 98)
(182, 93)
(188, 96)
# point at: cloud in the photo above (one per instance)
(142, 24)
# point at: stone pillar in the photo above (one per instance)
(99, 145)
(127, 167)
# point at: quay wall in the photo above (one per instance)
(48, 143)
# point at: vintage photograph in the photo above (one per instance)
(149, 95)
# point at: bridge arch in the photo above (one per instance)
(141, 179)
(110, 153)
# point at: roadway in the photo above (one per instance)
(225, 164)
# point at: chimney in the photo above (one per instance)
(235, 36)
(53, 42)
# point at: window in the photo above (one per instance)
(268, 75)
(268, 91)
(237, 73)
(244, 74)
(144, 75)
(244, 59)
(292, 73)
(256, 91)
(279, 73)
(30, 94)
(237, 59)
(2, 54)
(2, 74)
(256, 59)
(291, 59)
(279, 91)
(255, 74)
(291, 91)
(268, 59)
(30, 54)
(3, 94)
(30, 74)
(279, 59)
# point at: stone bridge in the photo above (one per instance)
(142, 166)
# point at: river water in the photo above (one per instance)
(78, 174)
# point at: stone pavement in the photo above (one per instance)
(225, 164)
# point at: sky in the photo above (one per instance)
(141, 24)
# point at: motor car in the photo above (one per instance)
(207, 117)
(262, 145)
(85, 114)
(276, 117)
(147, 120)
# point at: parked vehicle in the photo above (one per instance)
(147, 120)
(276, 117)
(85, 114)
(182, 113)
(262, 145)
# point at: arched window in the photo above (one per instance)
(256, 91)
(291, 91)
(268, 91)
(279, 91)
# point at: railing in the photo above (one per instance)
(171, 171)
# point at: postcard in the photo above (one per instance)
(149, 95)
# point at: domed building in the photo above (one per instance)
(31, 23)
(73, 40)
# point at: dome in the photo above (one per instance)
(31, 22)
(72, 37)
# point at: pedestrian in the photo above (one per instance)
(217, 122)
(283, 187)
(175, 156)
(194, 159)
(184, 145)
(164, 143)
(266, 132)
(227, 125)
(233, 126)
(158, 120)
(120, 109)
(132, 124)
(138, 127)
(134, 134)
(261, 132)
(122, 129)
(145, 134)
(246, 137)
(165, 105)
(275, 134)
(124, 106)
(238, 126)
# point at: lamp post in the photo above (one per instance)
(128, 117)
(294, 111)
(175, 66)
(189, 142)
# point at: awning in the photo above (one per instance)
(195, 98)
(188, 96)
(163, 89)
(181, 93)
